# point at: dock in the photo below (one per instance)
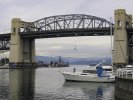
(124, 83)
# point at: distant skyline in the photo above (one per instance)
(31, 10)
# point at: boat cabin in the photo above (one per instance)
(89, 71)
(108, 68)
(93, 70)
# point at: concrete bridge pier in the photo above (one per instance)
(121, 37)
(21, 84)
(28, 50)
(22, 51)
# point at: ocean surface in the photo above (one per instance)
(49, 84)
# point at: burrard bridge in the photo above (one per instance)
(21, 40)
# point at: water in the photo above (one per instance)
(49, 84)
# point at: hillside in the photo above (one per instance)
(75, 61)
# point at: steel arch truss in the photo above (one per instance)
(4, 44)
(55, 26)
(5, 41)
(72, 21)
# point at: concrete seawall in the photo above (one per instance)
(124, 89)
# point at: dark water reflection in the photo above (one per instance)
(4, 85)
(21, 84)
(49, 84)
(92, 91)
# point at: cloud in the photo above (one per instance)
(31, 10)
(86, 46)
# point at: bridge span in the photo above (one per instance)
(23, 34)
(60, 26)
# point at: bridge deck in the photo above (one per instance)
(5, 38)
(67, 33)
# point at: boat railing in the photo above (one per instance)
(124, 73)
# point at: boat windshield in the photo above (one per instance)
(89, 71)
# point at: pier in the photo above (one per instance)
(124, 88)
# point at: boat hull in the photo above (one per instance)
(86, 78)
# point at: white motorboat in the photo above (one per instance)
(92, 74)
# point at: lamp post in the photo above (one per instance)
(111, 31)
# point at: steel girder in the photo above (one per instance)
(72, 21)
(130, 36)
(4, 44)
(5, 41)
(79, 23)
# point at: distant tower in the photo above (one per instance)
(60, 60)
(75, 48)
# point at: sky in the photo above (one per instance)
(32, 10)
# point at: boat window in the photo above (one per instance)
(89, 71)
(83, 74)
(108, 69)
(85, 71)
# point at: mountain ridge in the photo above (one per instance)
(75, 61)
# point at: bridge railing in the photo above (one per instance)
(126, 73)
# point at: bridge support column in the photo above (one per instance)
(121, 49)
(28, 50)
(22, 83)
(22, 51)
